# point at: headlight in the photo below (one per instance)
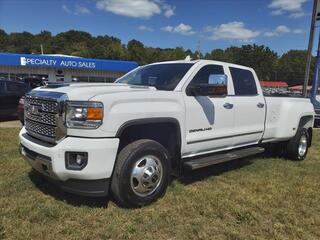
(87, 115)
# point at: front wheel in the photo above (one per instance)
(141, 173)
(297, 147)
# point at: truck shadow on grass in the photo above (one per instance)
(49, 188)
(188, 177)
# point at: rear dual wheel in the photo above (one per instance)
(294, 149)
(297, 147)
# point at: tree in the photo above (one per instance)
(136, 51)
(291, 67)
(4, 40)
(259, 57)
(44, 38)
(21, 43)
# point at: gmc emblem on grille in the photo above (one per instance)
(35, 109)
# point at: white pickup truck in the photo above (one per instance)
(155, 121)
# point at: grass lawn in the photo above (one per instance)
(255, 198)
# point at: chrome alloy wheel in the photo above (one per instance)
(303, 144)
(146, 176)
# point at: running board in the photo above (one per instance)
(196, 163)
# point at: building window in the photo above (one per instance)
(18, 76)
(4, 76)
(43, 77)
(79, 79)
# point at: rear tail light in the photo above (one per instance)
(21, 101)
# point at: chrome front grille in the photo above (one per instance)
(42, 129)
(49, 119)
(49, 106)
(44, 115)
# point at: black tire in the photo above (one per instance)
(292, 151)
(122, 183)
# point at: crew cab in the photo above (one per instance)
(157, 120)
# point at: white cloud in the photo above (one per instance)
(130, 8)
(298, 31)
(136, 8)
(78, 10)
(167, 29)
(297, 15)
(269, 34)
(280, 30)
(231, 31)
(292, 7)
(145, 28)
(66, 9)
(168, 10)
(182, 29)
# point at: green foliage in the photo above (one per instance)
(261, 58)
(290, 67)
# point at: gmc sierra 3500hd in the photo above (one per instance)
(154, 121)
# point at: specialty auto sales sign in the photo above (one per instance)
(59, 63)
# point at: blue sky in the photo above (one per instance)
(279, 24)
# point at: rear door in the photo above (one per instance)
(249, 107)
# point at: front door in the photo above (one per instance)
(209, 120)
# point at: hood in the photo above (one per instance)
(85, 91)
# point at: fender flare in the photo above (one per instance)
(142, 121)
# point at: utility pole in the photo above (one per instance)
(199, 49)
(41, 46)
(310, 46)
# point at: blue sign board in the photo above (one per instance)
(34, 60)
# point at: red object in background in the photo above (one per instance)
(20, 110)
(273, 84)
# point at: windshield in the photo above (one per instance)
(160, 76)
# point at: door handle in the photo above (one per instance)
(228, 105)
(260, 105)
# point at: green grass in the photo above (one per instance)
(255, 198)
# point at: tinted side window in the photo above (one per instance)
(203, 74)
(2, 90)
(14, 87)
(243, 82)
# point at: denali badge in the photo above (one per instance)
(200, 130)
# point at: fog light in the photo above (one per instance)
(79, 159)
(76, 160)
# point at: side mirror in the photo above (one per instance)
(216, 86)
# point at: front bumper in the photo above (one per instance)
(50, 161)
